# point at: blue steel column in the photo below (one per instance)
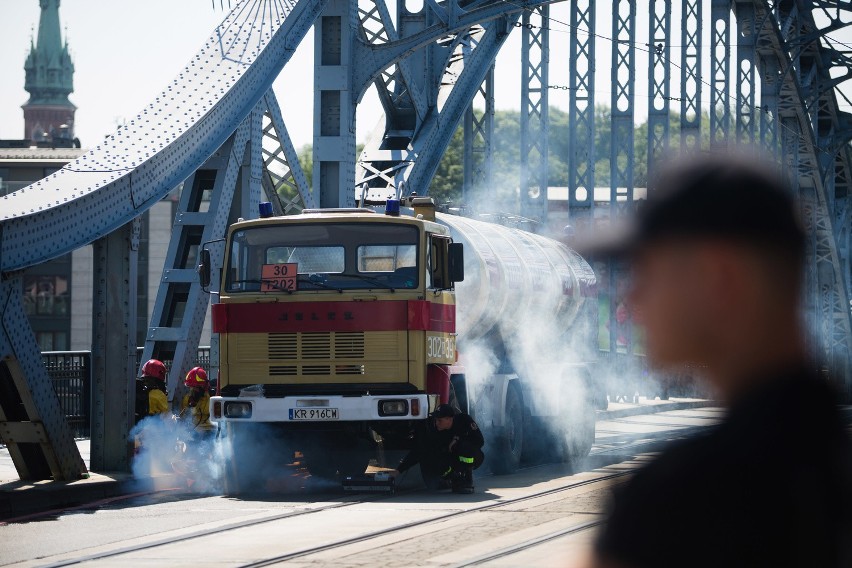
(691, 75)
(32, 424)
(659, 81)
(334, 105)
(746, 81)
(478, 154)
(720, 71)
(622, 101)
(535, 55)
(116, 263)
(770, 83)
(621, 149)
(581, 111)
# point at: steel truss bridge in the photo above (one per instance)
(774, 71)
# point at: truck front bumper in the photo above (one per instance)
(322, 408)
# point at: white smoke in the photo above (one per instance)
(169, 452)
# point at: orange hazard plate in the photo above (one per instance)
(279, 277)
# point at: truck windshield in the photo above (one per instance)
(328, 256)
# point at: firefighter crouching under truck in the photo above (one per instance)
(448, 450)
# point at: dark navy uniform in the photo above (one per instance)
(447, 456)
(769, 486)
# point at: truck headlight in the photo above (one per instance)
(237, 410)
(393, 408)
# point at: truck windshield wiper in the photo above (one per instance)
(370, 279)
(319, 283)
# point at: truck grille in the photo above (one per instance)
(316, 345)
(326, 347)
(321, 357)
(283, 346)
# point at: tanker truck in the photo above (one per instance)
(341, 329)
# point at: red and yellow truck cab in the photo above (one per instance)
(336, 320)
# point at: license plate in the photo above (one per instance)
(314, 414)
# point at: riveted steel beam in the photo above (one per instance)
(373, 59)
(160, 147)
(746, 76)
(478, 136)
(436, 133)
(622, 107)
(535, 124)
(181, 304)
(32, 425)
(283, 177)
(335, 35)
(659, 81)
(116, 262)
(691, 77)
(806, 123)
(720, 71)
(581, 110)
(401, 99)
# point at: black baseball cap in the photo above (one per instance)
(709, 196)
(443, 411)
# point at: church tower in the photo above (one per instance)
(48, 114)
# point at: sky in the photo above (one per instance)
(126, 52)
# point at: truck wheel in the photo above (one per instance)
(509, 446)
(240, 467)
(578, 435)
(576, 427)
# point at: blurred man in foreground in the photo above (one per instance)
(717, 256)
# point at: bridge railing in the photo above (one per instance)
(71, 375)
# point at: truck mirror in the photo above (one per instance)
(204, 268)
(456, 262)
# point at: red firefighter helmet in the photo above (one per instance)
(196, 377)
(155, 369)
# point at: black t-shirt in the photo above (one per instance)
(770, 486)
(467, 431)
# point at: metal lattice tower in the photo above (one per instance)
(659, 80)
(535, 83)
(691, 82)
(622, 106)
(478, 149)
(581, 117)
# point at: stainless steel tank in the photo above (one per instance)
(515, 279)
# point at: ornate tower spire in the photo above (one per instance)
(48, 114)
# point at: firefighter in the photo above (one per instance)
(151, 397)
(195, 406)
(152, 436)
(448, 449)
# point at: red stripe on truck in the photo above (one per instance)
(415, 315)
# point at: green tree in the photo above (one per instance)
(446, 185)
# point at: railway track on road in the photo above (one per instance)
(332, 545)
(530, 543)
(646, 439)
(399, 528)
(617, 444)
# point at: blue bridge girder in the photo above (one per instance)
(773, 82)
